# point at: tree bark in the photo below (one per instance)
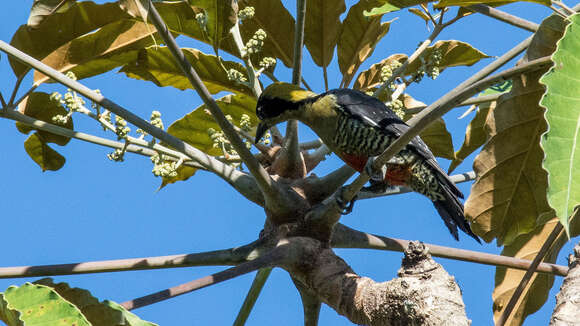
(567, 311)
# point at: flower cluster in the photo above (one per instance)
(121, 128)
(117, 155)
(162, 167)
(255, 44)
(237, 76)
(267, 62)
(246, 13)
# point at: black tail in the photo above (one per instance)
(451, 210)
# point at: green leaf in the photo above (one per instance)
(381, 7)
(508, 198)
(221, 17)
(38, 105)
(272, 17)
(193, 127)
(38, 305)
(46, 157)
(106, 313)
(183, 173)
(475, 135)
(358, 38)
(322, 24)
(562, 141)
(420, 13)
(156, 64)
(111, 46)
(61, 28)
(536, 293)
(449, 3)
(379, 11)
(455, 53)
(44, 8)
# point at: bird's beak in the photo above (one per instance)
(262, 128)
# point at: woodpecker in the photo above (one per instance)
(358, 127)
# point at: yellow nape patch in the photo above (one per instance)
(324, 107)
(285, 91)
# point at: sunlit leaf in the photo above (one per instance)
(508, 198)
(156, 64)
(38, 105)
(420, 13)
(193, 127)
(358, 38)
(455, 53)
(377, 11)
(61, 28)
(475, 135)
(322, 24)
(449, 3)
(46, 157)
(221, 17)
(562, 141)
(277, 22)
(44, 8)
(183, 173)
(371, 77)
(536, 293)
(380, 7)
(37, 304)
(106, 313)
(111, 46)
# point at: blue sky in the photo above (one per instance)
(95, 209)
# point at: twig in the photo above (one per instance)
(252, 76)
(563, 6)
(252, 296)
(2, 101)
(559, 12)
(325, 74)
(230, 256)
(262, 177)
(556, 233)
(504, 17)
(270, 259)
(310, 304)
(16, 87)
(470, 101)
(345, 237)
(291, 140)
(25, 95)
(206, 161)
(311, 144)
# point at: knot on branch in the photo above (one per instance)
(574, 259)
(417, 260)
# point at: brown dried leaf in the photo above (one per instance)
(371, 77)
(508, 198)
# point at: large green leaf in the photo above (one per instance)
(61, 28)
(109, 47)
(40, 106)
(322, 24)
(475, 135)
(562, 141)
(193, 127)
(508, 198)
(156, 64)
(38, 305)
(272, 17)
(106, 313)
(449, 3)
(221, 17)
(381, 7)
(358, 38)
(46, 157)
(44, 8)
(536, 293)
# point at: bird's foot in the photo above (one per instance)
(374, 174)
(346, 208)
(377, 187)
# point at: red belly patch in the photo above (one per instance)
(398, 175)
(356, 162)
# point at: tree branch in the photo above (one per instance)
(345, 237)
(504, 17)
(257, 286)
(567, 310)
(262, 177)
(232, 256)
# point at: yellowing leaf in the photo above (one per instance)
(371, 77)
(321, 28)
(455, 53)
(156, 64)
(536, 293)
(183, 173)
(508, 198)
(38, 105)
(46, 157)
(61, 28)
(358, 38)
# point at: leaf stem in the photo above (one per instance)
(325, 74)
(250, 300)
(3, 102)
(16, 87)
(25, 95)
(504, 17)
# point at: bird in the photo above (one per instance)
(358, 127)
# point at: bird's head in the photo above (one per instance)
(279, 102)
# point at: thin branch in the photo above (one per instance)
(325, 74)
(291, 139)
(3, 102)
(504, 17)
(558, 12)
(478, 100)
(310, 304)
(25, 95)
(311, 144)
(262, 177)
(457, 178)
(556, 233)
(345, 237)
(252, 296)
(16, 87)
(306, 84)
(207, 162)
(252, 76)
(232, 256)
(270, 259)
(563, 6)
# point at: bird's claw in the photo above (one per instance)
(345, 208)
(374, 174)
